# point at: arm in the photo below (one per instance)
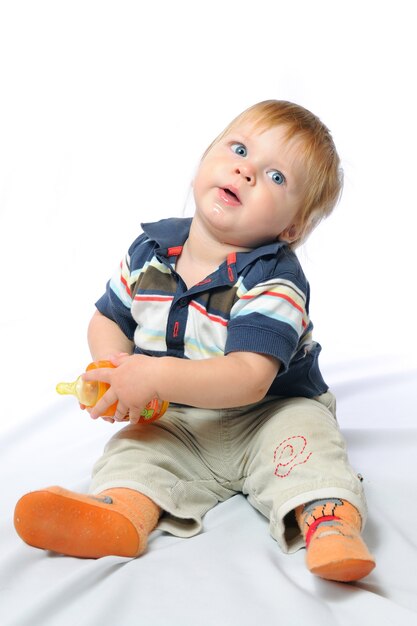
(105, 338)
(237, 379)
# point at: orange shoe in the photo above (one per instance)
(335, 549)
(117, 522)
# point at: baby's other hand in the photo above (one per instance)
(118, 358)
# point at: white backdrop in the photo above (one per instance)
(105, 108)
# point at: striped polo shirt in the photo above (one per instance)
(255, 301)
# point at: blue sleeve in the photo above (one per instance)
(116, 302)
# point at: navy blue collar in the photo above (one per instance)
(172, 232)
(168, 233)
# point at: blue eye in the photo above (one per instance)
(277, 177)
(239, 148)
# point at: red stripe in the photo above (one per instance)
(213, 318)
(154, 298)
(276, 295)
(124, 282)
(312, 529)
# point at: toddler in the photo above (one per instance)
(212, 314)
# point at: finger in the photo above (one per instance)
(121, 412)
(134, 415)
(103, 404)
(89, 411)
(102, 374)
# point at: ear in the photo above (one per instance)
(290, 233)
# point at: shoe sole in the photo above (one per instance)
(76, 525)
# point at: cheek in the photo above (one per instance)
(197, 183)
(201, 175)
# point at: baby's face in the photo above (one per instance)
(248, 188)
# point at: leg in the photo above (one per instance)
(116, 522)
(146, 469)
(299, 455)
(171, 462)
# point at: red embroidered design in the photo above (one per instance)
(176, 329)
(289, 453)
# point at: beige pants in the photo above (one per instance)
(280, 453)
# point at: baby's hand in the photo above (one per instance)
(131, 384)
(116, 359)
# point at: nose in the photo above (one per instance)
(247, 171)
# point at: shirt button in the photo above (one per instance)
(183, 301)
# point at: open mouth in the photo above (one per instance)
(229, 195)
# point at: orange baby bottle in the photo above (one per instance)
(89, 393)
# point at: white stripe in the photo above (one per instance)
(204, 338)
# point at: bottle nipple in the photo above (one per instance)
(85, 392)
(66, 389)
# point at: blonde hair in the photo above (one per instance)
(324, 176)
